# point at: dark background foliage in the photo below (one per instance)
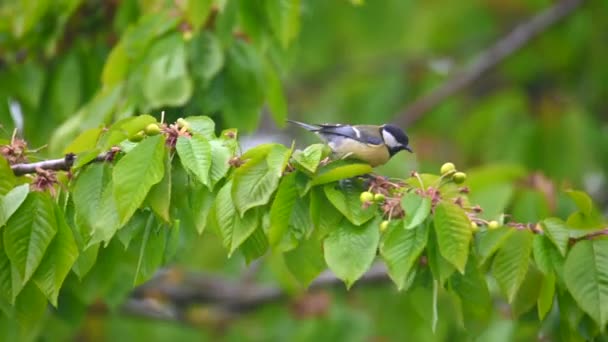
(540, 116)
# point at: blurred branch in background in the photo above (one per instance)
(172, 292)
(489, 58)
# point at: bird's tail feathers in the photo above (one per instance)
(305, 125)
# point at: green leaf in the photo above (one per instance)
(11, 202)
(257, 179)
(586, 277)
(583, 202)
(417, 208)
(475, 298)
(151, 251)
(453, 234)
(9, 289)
(166, 80)
(29, 232)
(282, 208)
(284, 18)
(541, 250)
(557, 231)
(277, 103)
(306, 261)
(243, 75)
(350, 250)
(255, 246)
(527, 295)
(545, 297)
(325, 217)
(133, 228)
(30, 308)
(511, 262)
(195, 155)
(136, 173)
(201, 200)
(159, 197)
(123, 129)
(116, 68)
(348, 203)
(86, 260)
(220, 158)
(59, 258)
(441, 268)
(106, 218)
(206, 56)
(234, 229)
(201, 125)
(338, 170)
(400, 250)
(86, 141)
(7, 177)
(309, 158)
(88, 190)
(197, 12)
(489, 241)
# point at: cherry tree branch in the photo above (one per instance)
(179, 290)
(60, 164)
(489, 58)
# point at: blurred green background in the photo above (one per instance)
(534, 125)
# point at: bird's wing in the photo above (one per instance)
(350, 132)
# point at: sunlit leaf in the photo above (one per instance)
(310, 157)
(338, 170)
(10, 202)
(202, 125)
(136, 173)
(258, 178)
(348, 203)
(7, 177)
(417, 208)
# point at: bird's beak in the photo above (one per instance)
(407, 148)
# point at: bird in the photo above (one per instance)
(374, 145)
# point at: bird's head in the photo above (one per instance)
(395, 139)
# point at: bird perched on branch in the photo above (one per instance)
(374, 145)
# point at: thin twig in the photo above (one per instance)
(488, 59)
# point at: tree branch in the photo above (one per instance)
(488, 59)
(61, 164)
(179, 290)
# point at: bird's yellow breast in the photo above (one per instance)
(374, 155)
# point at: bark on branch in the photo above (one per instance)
(61, 164)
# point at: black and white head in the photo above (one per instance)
(395, 139)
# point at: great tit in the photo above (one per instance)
(374, 145)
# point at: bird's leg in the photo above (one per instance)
(324, 161)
